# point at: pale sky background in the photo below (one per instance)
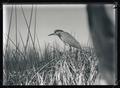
(70, 18)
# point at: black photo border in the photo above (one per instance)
(117, 7)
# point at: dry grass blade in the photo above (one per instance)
(9, 28)
(28, 27)
(35, 23)
(22, 40)
(39, 46)
(16, 26)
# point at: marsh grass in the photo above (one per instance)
(55, 67)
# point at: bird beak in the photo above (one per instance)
(51, 34)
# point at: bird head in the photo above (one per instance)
(56, 32)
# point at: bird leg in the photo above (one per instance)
(76, 54)
(65, 46)
(70, 48)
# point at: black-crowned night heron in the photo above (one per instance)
(67, 38)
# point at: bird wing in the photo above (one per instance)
(69, 39)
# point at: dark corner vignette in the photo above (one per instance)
(117, 8)
(1, 43)
(118, 40)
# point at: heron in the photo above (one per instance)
(67, 38)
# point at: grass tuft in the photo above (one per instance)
(55, 67)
